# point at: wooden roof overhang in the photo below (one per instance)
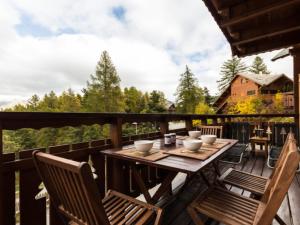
(255, 26)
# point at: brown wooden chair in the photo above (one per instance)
(215, 130)
(254, 183)
(73, 192)
(233, 209)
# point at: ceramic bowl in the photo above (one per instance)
(143, 145)
(192, 145)
(194, 133)
(208, 139)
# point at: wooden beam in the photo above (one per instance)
(1, 177)
(255, 37)
(116, 133)
(296, 56)
(277, 42)
(258, 12)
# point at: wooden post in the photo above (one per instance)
(222, 121)
(215, 121)
(188, 124)
(116, 133)
(164, 127)
(296, 56)
(204, 121)
(1, 177)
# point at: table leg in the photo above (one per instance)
(164, 187)
(266, 150)
(253, 147)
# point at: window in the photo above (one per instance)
(244, 80)
(251, 92)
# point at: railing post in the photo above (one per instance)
(188, 124)
(222, 121)
(296, 57)
(204, 121)
(214, 121)
(116, 132)
(164, 126)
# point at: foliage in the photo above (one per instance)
(258, 66)
(202, 108)
(229, 69)
(256, 105)
(188, 93)
(135, 101)
(103, 92)
(157, 102)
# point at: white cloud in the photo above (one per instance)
(150, 48)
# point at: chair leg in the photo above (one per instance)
(279, 220)
(158, 217)
(194, 215)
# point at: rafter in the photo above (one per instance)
(266, 35)
(258, 12)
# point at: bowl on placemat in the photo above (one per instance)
(208, 139)
(192, 145)
(143, 145)
(194, 133)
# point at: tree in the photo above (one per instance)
(134, 100)
(208, 99)
(69, 102)
(258, 66)
(188, 93)
(103, 92)
(229, 69)
(157, 102)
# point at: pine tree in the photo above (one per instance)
(229, 69)
(157, 102)
(258, 66)
(103, 92)
(188, 93)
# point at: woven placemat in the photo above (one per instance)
(152, 155)
(216, 145)
(204, 153)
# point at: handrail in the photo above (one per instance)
(18, 120)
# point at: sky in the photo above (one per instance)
(55, 45)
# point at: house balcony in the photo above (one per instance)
(20, 182)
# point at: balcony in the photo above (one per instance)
(20, 181)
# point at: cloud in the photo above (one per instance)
(46, 45)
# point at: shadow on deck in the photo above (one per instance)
(176, 214)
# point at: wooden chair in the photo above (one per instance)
(215, 130)
(241, 132)
(254, 183)
(279, 135)
(74, 194)
(233, 209)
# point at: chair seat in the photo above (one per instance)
(226, 207)
(122, 209)
(254, 184)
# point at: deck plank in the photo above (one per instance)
(289, 211)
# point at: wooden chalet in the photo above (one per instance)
(263, 85)
(251, 27)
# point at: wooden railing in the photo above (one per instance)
(19, 181)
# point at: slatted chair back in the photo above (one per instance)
(278, 187)
(239, 131)
(72, 189)
(280, 131)
(214, 130)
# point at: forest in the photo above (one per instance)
(103, 93)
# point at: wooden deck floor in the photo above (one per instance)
(175, 212)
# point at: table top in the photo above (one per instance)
(259, 139)
(172, 162)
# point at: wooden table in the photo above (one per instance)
(172, 164)
(260, 141)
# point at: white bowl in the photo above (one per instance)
(194, 133)
(208, 139)
(143, 145)
(192, 145)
